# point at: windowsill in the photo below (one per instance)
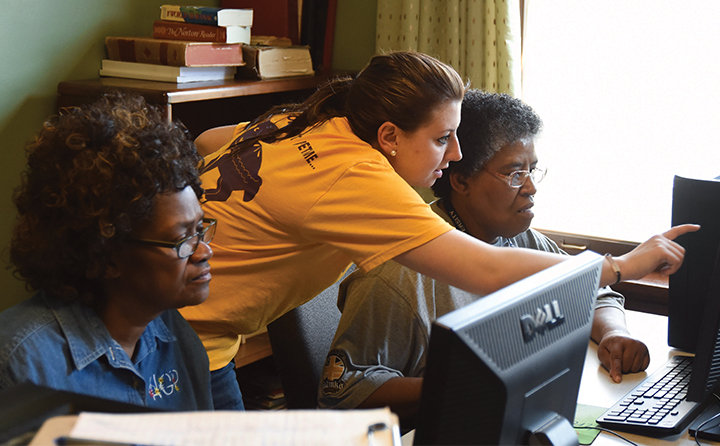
(649, 295)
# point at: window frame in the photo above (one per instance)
(648, 295)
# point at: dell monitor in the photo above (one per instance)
(694, 201)
(506, 369)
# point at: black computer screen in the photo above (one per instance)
(705, 376)
(694, 201)
(510, 364)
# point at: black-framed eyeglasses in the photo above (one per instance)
(517, 178)
(187, 246)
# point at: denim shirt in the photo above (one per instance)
(66, 346)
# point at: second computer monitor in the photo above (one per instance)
(694, 201)
(508, 366)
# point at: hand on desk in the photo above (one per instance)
(620, 353)
(617, 351)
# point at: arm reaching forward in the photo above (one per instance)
(463, 261)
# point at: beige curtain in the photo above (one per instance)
(479, 38)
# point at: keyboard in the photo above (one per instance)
(657, 406)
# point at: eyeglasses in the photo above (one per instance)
(187, 246)
(517, 179)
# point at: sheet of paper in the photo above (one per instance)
(585, 416)
(256, 428)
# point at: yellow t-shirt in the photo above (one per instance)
(292, 216)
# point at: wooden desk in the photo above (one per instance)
(200, 105)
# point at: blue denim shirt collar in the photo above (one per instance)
(88, 339)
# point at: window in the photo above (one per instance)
(629, 93)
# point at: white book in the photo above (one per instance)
(164, 73)
(238, 34)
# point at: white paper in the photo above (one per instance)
(257, 428)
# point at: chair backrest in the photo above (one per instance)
(300, 341)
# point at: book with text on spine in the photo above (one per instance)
(269, 62)
(164, 73)
(178, 53)
(164, 29)
(207, 15)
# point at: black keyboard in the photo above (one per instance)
(658, 405)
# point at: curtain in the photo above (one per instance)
(479, 38)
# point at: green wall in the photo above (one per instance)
(44, 42)
(354, 34)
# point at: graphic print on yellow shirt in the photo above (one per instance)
(288, 227)
(239, 171)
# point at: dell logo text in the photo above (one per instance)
(545, 318)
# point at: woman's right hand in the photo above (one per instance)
(659, 253)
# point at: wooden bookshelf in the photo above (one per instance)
(199, 105)
(253, 349)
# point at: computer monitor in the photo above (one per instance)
(705, 376)
(694, 201)
(508, 366)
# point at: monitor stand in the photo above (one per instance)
(711, 430)
(556, 432)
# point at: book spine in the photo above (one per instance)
(155, 52)
(188, 31)
(173, 52)
(190, 14)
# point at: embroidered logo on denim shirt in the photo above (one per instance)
(164, 385)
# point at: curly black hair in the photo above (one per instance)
(92, 176)
(489, 122)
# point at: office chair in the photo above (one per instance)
(300, 341)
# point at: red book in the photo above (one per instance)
(165, 29)
(178, 53)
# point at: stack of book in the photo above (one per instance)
(261, 387)
(188, 44)
(264, 393)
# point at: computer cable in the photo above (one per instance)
(699, 428)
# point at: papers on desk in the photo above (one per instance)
(266, 428)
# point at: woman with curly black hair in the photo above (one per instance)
(111, 235)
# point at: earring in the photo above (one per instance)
(393, 152)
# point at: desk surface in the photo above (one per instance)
(597, 389)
